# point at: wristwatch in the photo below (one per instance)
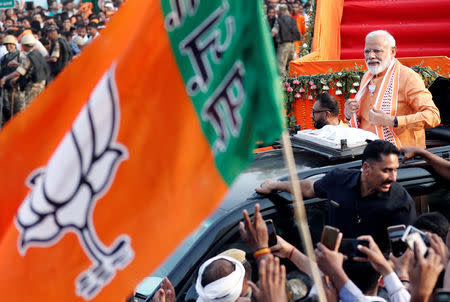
(395, 122)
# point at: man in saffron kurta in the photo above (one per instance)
(392, 100)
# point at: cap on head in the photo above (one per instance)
(28, 40)
(9, 39)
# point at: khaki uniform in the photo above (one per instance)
(56, 50)
(31, 90)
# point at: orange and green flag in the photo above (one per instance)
(132, 146)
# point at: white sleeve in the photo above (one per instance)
(396, 291)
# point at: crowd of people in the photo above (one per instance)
(364, 204)
(375, 274)
(36, 44)
(288, 21)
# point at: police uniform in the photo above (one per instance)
(32, 88)
(62, 52)
(9, 91)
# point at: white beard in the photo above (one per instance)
(380, 67)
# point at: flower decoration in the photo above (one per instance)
(345, 82)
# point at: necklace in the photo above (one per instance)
(372, 88)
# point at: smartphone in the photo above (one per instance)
(272, 233)
(329, 237)
(442, 295)
(410, 229)
(398, 246)
(349, 247)
(416, 237)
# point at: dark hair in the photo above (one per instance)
(375, 148)
(217, 270)
(67, 34)
(328, 102)
(362, 274)
(92, 24)
(434, 222)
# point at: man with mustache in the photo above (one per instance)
(361, 202)
(392, 100)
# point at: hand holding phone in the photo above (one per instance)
(349, 247)
(271, 232)
(398, 246)
(330, 237)
(410, 229)
(420, 244)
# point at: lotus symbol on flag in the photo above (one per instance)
(64, 193)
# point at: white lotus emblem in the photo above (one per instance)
(64, 193)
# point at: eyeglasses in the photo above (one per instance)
(376, 51)
(318, 111)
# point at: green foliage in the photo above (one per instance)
(306, 47)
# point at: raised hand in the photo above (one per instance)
(350, 107)
(272, 281)
(423, 274)
(374, 256)
(254, 233)
(282, 249)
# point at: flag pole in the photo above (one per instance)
(300, 215)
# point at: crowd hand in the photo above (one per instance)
(331, 292)
(439, 247)
(13, 63)
(401, 263)
(379, 118)
(166, 293)
(254, 233)
(2, 82)
(282, 249)
(350, 107)
(268, 186)
(423, 273)
(330, 262)
(272, 281)
(374, 256)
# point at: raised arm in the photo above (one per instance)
(439, 164)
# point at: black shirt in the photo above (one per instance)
(355, 215)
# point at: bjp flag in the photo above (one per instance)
(132, 146)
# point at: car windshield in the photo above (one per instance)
(149, 284)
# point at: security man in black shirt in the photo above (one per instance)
(362, 202)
